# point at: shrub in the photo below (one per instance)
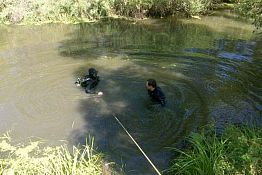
(41, 11)
(251, 9)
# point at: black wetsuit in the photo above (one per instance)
(89, 83)
(158, 96)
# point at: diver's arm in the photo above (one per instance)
(161, 98)
(163, 102)
(84, 79)
(90, 91)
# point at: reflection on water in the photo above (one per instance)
(235, 50)
(207, 75)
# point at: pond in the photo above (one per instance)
(209, 69)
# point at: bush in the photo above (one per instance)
(251, 9)
(132, 8)
(39, 11)
(159, 8)
(195, 7)
(42, 11)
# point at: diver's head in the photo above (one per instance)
(151, 84)
(92, 73)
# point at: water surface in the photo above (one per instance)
(209, 69)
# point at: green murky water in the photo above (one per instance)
(209, 69)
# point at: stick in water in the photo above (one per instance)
(137, 145)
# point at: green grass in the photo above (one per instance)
(237, 151)
(33, 158)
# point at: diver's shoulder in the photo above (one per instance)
(159, 89)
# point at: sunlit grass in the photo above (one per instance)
(33, 158)
(238, 151)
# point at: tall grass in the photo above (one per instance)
(206, 157)
(238, 151)
(35, 159)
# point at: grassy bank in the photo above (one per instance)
(33, 158)
(237, 151)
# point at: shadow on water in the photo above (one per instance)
(205, 75)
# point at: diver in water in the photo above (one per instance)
(155, 92)
(89, 82)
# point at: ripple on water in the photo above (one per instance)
(205, 80)
(241, 112)
(44, 93)
(166, 125)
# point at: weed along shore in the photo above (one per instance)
(34, 158)
(130, 87)
(237, 151)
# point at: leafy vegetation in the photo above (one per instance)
(159, 8)
(251, 9)
(72, 11)
(32, 159)
(42, 11)
(237, 151)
